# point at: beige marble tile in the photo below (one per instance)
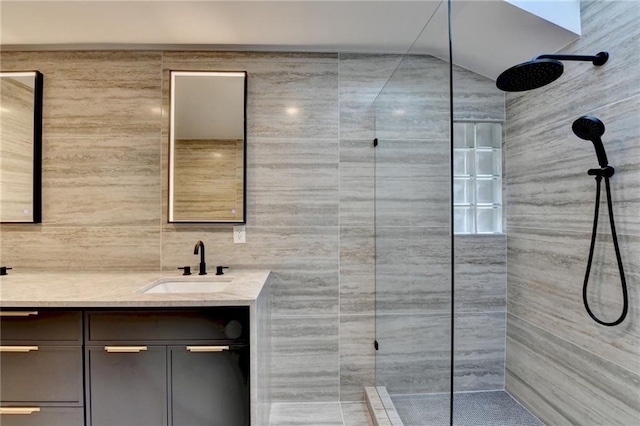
(357, 355)
(96, 93)
(413, 270)
(546, 173)
(357, 182)
(293, 182)
(479, 351)
(355, 414)
(362, 76)
(101, 181)
(545, 276)
(311, 414)
(80, 248)
(357, 270)
(476, 97)
(414, 103)
(414, 352)
(410, 176)
(305, 362)
(562, 383)
(480, 273)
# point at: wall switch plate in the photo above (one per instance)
(239, 234)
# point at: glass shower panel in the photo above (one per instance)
(479, 248)
(413, 223)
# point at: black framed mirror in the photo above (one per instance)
(207, 147)
(21, 147)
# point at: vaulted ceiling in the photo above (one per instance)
(488, 36)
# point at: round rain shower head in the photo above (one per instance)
(530, 75)
(588, 127)
(541, 70)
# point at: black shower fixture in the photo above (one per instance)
(541, 70)
(591, 128)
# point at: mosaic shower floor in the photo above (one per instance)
(495, 408)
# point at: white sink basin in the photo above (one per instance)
(199, 284)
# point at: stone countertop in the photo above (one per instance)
(119, 289)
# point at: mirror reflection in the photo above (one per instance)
(20, 146)
(207, 147)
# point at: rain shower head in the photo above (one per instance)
(591, 128)
(540, 71)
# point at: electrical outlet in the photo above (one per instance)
(239, 234)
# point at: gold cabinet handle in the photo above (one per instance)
(125, 349)
(17, 313)
(207, 348)
(19, 410)
(18, 348)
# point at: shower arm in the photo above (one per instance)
(598, 59)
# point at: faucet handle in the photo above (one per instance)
(4, 269)
(187, 270)
(219, 270)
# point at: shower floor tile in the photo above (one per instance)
(495, 408)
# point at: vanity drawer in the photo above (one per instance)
(41, 374)
(168, 325)
(49, 416)
(33, 325)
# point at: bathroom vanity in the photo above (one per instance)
(94, 349)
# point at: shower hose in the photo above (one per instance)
(625, 296)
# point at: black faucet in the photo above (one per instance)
(203, 265)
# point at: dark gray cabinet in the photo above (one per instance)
(41, 378)
(209, 388)
(127, 385)
(167, 368)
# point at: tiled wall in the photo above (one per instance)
(562, 365)
(310, 193)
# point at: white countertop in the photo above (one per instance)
(119, 289)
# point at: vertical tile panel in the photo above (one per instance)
(305, 364)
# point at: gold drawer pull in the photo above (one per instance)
(18, 348)
(125, 349)
(19, 410)
(207, 348)
(17, 313)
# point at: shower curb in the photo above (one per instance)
(380, 406)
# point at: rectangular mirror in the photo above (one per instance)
(20, 147)
(207, 147)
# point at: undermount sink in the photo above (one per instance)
(199, 284)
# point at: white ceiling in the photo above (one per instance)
(489, 36)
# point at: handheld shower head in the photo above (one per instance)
(591, 128)
(540, 71)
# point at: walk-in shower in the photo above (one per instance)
(450, 347)
(440, 359)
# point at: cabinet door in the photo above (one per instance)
(127, 388)
(209, 388)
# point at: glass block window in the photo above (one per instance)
(477, 178)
